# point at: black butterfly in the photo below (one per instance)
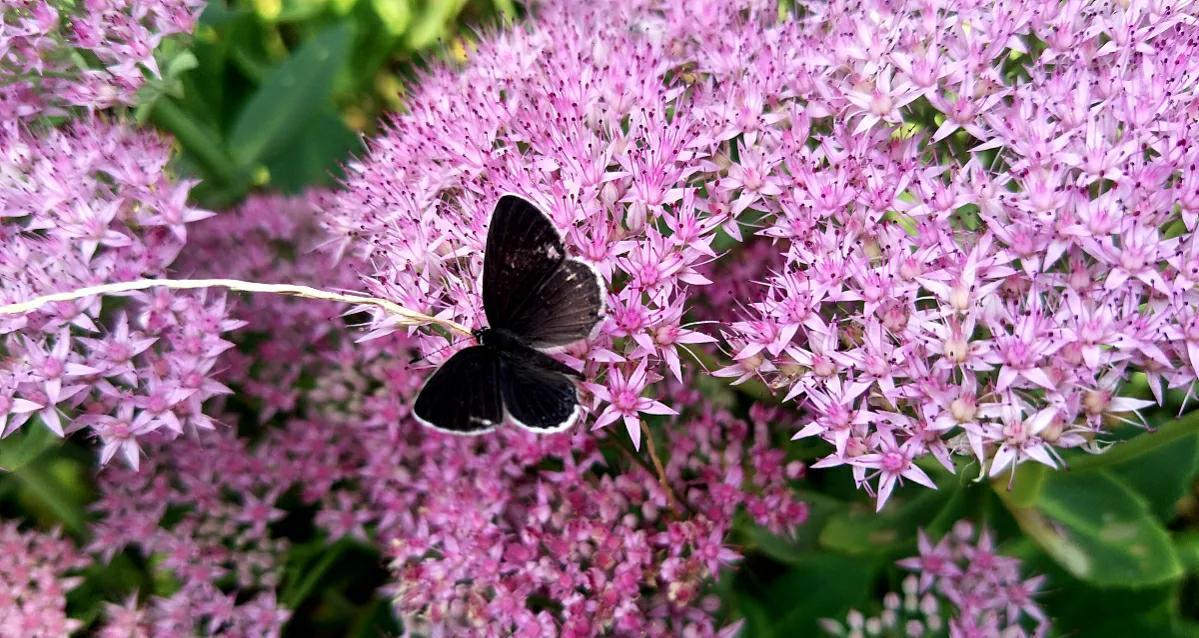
(535, 298)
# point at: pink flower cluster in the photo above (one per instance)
(35, 577)
(81, 205)
(220, 499)
(477, 530)
(610, 551)
(45, 47)
(964, 589)
(985, 588)
(984, 215)
(979, 216)
(222, 489)
(594, 122)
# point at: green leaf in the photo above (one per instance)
(1161, 474)
(1099, 530)
(50, 487)
(25, 445)
(315, 158)
(1026, 488)
(793, 602)
(283, 107)
(395, 15)
(1187, 546)
(1142, 443)
(203, 144)
(861, 531)
(298, 10)
(1079, 609)
(183, 62)
(432, 24)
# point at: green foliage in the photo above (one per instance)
(289, 97)
(1100, 531)
(1111, 533)
(277, 93)
(25, 445)
(789, 601)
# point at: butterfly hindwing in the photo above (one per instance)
(464, 395)
(530, 288)
(538, 398)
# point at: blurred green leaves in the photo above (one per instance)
(43, 480)
(277, 93)
(1107, 531)
(291, 95)
(1100, 531)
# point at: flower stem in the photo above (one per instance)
(405, 315)
(653, 455)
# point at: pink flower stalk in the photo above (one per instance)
(44, 45)
(962, 588)
(34, 581)
(84, 205)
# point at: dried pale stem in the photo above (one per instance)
(653, 455)
(405, 315)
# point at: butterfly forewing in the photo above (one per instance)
(537, 398)
(523, 250)
(464, 395)
(571, 305)
(529, 287)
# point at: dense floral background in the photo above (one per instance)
(902, 333)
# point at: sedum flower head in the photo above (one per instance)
(34, 581)
(55, 55)
(964, 225)
(961, 587)
(82, 205)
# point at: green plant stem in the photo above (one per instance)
(204, 143)
(312, 578)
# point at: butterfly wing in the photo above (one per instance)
(463, 396)
(538, 398)
(530, 288)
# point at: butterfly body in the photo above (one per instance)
(514, 351)
(535, 299)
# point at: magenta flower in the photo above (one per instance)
(893, 463)
(625, 401)
(965, 588)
